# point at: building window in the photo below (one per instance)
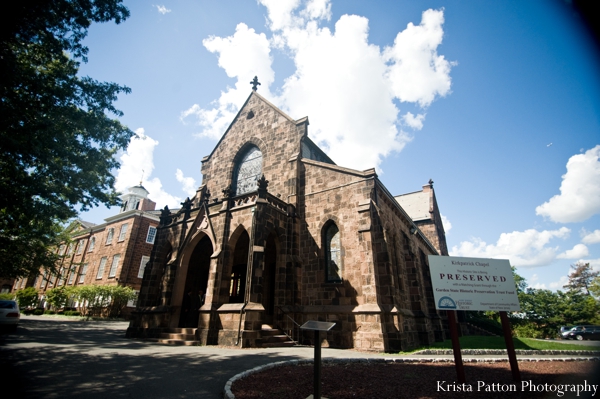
(123, 232)
(113, 267)
(92, 244)
(131, 303)
(61, 250)
(109, 235)
(333, 258)
(248, 171)
(82, 273)
(71, 276)
(145, 259)
(151, 235)
(101, 268)
(80, 246)
(70, 251)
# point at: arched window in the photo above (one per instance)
(248, 171)
(333, 254)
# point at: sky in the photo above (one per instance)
(497, 102)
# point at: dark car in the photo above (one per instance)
(584, 332)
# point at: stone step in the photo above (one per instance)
(180, 330)
(275, 338)
(278, 344)
(173, 341)
(183, 337)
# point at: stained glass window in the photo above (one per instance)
(333, 254)
(248, 171)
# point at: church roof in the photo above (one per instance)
(415, 204)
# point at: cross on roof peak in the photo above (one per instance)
(255, 83)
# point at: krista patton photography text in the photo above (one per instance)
(524, 386)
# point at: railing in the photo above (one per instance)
(288, 325)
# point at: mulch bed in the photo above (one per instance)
(422, 380)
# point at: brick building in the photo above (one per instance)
(112, 253)
(277, 234)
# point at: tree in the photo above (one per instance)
(58, 140)
(581, 278)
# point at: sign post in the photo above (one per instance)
(476, 284)
(317, 327)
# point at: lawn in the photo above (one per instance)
(481, 342)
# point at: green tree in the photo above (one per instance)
(581, 278)
(27, 297)
(58, 135)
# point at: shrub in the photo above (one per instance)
(49, 312)
(38, 312)
(27, 297)
(7, 296)
(71, 313)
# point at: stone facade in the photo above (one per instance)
(309, 240)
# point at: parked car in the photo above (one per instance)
(9, 314)
(583, 332)
(564, 330)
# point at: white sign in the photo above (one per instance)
(473, 284)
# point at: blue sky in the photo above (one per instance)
(497, 102)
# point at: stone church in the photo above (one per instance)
(278, 234)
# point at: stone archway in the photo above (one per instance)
(196, 282)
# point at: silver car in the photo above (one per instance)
(9, 314)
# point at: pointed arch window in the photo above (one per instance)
(248, 171)
(333, 254)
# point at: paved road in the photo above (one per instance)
(56, 358)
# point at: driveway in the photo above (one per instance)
(55, 358)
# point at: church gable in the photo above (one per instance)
(260, 140)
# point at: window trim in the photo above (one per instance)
(143, 265)
(82, 273)
(330, 278)
(122, 232)
(112, 272)
(151, 228)
(101, 268)
(109, 235)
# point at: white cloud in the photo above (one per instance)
(591, 238)
(558, 285)
(417, 72)
(415, 122)
(188, 184)
(162, 9)
(446, 223)
(344, 84)
(244, 55)
(522, 248)
(138, 160)
(579, 197)
(578, 251)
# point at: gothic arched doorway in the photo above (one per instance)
(237, 286)
(195, 283)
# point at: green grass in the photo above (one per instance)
(480, 342)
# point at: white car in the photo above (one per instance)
(9, 314)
